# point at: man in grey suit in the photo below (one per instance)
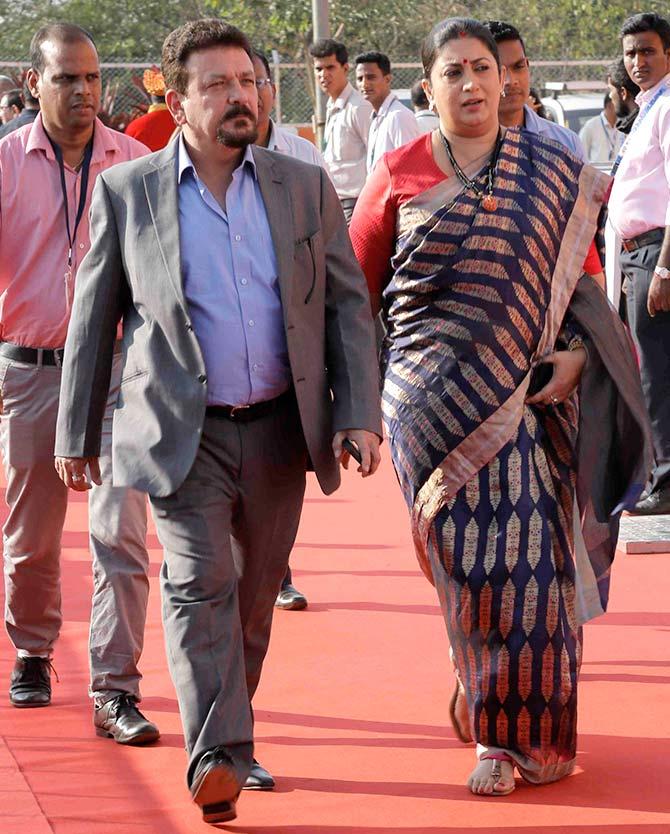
(248, 351)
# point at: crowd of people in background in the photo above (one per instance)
(188, 312)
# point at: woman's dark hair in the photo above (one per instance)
(449, 30)
(192, 37)
(647, 22)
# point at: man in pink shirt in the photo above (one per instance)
(639, 213)
(47, 173)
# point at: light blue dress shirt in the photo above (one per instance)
(229, 272)
(568, 138)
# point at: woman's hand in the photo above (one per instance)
(568, 367)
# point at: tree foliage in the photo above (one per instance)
(135, 29)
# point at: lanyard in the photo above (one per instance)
(636, 126)
(86, 164)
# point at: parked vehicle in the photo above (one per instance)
(573, 103)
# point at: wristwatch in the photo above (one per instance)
(662, 272)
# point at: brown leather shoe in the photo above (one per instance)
(215, 786)
(30, 684)
(119, 718)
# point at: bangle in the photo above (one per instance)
(576, 343)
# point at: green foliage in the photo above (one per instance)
(135, 29)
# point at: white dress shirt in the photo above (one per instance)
(427, 120)
(639, 199)
(283, 141)
(347, 128)
(392, 126)
(601, 141)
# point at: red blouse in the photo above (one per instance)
(397, 178)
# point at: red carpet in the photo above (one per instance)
(352, 711)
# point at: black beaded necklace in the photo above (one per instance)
(487, 200)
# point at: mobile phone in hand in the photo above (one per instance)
(348, 446)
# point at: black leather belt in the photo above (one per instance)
(247, 413)
(645, 239)
(32, 356)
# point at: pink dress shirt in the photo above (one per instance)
(36, 289)
(640, 197)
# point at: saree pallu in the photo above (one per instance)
(476, 297)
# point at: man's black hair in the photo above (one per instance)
(13, 98)
(647, 22)
(619, 77)
(262, 57)
(418, 95)
(502, 32)
(382, 61)
(63, 33)
(328, 46)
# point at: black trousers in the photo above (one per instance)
(652, 339)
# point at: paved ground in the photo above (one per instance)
(352, 710)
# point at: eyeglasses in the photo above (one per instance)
(263, 82)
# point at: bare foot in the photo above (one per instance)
(492, 777)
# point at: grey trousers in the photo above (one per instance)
(652, 339)
(227, 534)
(37, 501)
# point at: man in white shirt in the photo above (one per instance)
(348, 117)
(601, 140)
(270, 135)
(513, 109)
(275, 138)
(425, 118)
(640, 215)
(393, 125)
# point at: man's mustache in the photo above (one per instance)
(239, 110)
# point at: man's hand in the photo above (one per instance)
(72, 472)
(568, 367)
(658, 297)
(368, 445)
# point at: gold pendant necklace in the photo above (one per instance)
(487, 200)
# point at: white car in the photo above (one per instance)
(573, 110)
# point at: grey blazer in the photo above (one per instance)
(132, 273)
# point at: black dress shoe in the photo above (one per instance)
(215, 786)
(259, 779)
(120, 719)
(30, 684)
(656, 503)
(290, 599)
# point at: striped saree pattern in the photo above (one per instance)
(475, 298)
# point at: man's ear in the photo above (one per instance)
(32, 80)
(173, 99)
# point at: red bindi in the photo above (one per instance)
(465, 60)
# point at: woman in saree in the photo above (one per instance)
(473, 241)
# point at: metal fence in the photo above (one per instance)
(124, 97)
